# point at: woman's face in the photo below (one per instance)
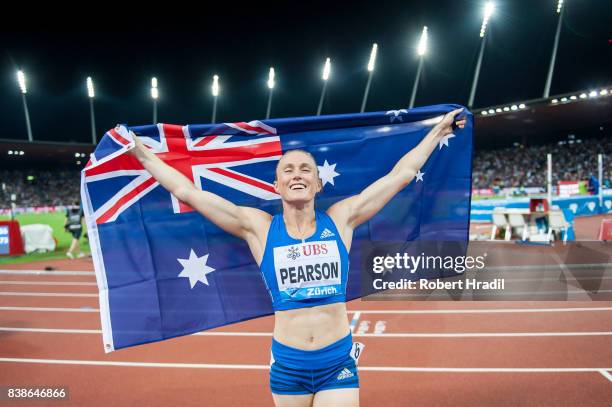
(297, 178)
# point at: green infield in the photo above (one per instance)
(56, 220)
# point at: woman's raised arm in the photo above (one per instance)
(353, 211)
(244, 222)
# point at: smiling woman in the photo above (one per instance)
(302, 164)
(303, 255)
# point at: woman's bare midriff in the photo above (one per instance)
(311, 328)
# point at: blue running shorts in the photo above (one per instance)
(296, 371)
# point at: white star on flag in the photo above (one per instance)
(327, 173)
(396, 115)
(419, 176)
(195, 268)
(444, 141)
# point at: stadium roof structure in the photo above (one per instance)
(540, 120)
(531, 122)
(19, 154)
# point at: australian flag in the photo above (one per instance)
(163, 270)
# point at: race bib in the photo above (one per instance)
(308, 270)
(356, 351)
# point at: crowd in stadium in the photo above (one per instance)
(39, 188)
(520, 166)
(517, 166)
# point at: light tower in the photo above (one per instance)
(488, 11)
(91, 94)
(22, 86)
(325, 77)
(371, 64)
(421, 50)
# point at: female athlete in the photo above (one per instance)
(303, 256)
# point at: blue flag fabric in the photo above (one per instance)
(164, 270)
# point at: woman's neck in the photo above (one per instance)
(299, 219)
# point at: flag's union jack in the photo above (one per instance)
(197, 156)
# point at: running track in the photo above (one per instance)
(425, 353)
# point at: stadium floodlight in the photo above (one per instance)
(422, 47)
(421, 50)
(325, 77)
(215, 93)
(21, 80)
(564, 99)
(271, 84)
(555, 101)
(326, 69)
(522, 106)
(514, 107)
(498, 110)
(154, 89)
(559, 6)
(371, 64)
(553, 57)
(506, 109)
(592, 93)
(573, 97)
(491, 111)
(603, 92)
(372, 60)
(91, 94)
(215, 86)
(10, 152)
(484, 113)
(488, 11)
(583, 96)
(90, 87)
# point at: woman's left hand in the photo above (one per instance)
(446, 125)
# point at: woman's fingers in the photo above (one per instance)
(456, 112)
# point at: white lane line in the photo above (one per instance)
(267, 367)
(502, 295)
(483, 334)
(27, 294)
(554, 279)
(605, 374)
(11, 282)
(399, 312)
(354, 321)
(364, 335)
(491, 268)
(484, 311)
(48, 272)
(93, 283)
(548, 267)
(401, 296)
(49, 309)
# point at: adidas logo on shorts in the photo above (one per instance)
(345, 374)
(326, 233)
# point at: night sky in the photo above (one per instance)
(184, 51)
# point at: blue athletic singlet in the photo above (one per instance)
(306, 273)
